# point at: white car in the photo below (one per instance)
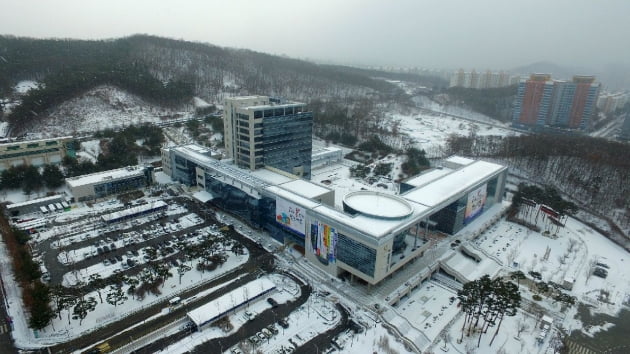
(250, 315)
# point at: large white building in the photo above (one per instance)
(371, 234)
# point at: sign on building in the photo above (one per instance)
(476, 201)
(290, 216)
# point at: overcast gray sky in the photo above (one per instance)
(495, 34)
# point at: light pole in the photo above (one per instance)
(316, 348)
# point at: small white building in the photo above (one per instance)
(325, 156)
(232, 301)
(102, 184)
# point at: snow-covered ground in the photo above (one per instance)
(79, 225)
(430, 131)
(25, 86)
(317, 315)
(570, 252)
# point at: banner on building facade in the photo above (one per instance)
(290, 216)
(324, 241)
(476, 202)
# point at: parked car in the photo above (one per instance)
(266, 332)
(272, 329)
(600, 272)
(283, 323)
(249, 315)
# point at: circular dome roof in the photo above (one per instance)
(380, 205)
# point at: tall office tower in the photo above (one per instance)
(563, 104)
(262, 131)
(532, 100)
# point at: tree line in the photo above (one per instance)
(35, 294)
(493, 102)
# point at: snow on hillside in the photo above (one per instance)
(427, 103)
(101, 108)
(199, 103)
(24, 86)
(430, 131)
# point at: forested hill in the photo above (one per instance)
(166, 72)
(493, 102)
(593, 172)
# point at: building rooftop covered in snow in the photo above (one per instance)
(231, 301)
(371, 234)
(102, 184)
(35, 152)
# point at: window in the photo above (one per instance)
(356, 254)
(258, 114)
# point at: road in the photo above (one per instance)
(6, 342)
(248, 329)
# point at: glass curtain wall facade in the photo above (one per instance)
(119, 186)
(263, 131)
(257, 212)
(287, 140)
(356, 254)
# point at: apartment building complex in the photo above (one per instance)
(542, 102)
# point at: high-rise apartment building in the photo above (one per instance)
(481, 80)
(533, 99)
(542, 102)
(610, 102)
(262, 131)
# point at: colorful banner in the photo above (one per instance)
(475, 204)
(290, 216)
(324, 241)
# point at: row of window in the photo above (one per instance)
(278, 112)
(28, 153)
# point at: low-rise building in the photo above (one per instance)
(35, 152)
(102, 184)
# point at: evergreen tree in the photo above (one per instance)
(52, 176)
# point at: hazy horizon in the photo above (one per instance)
(487, 34)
